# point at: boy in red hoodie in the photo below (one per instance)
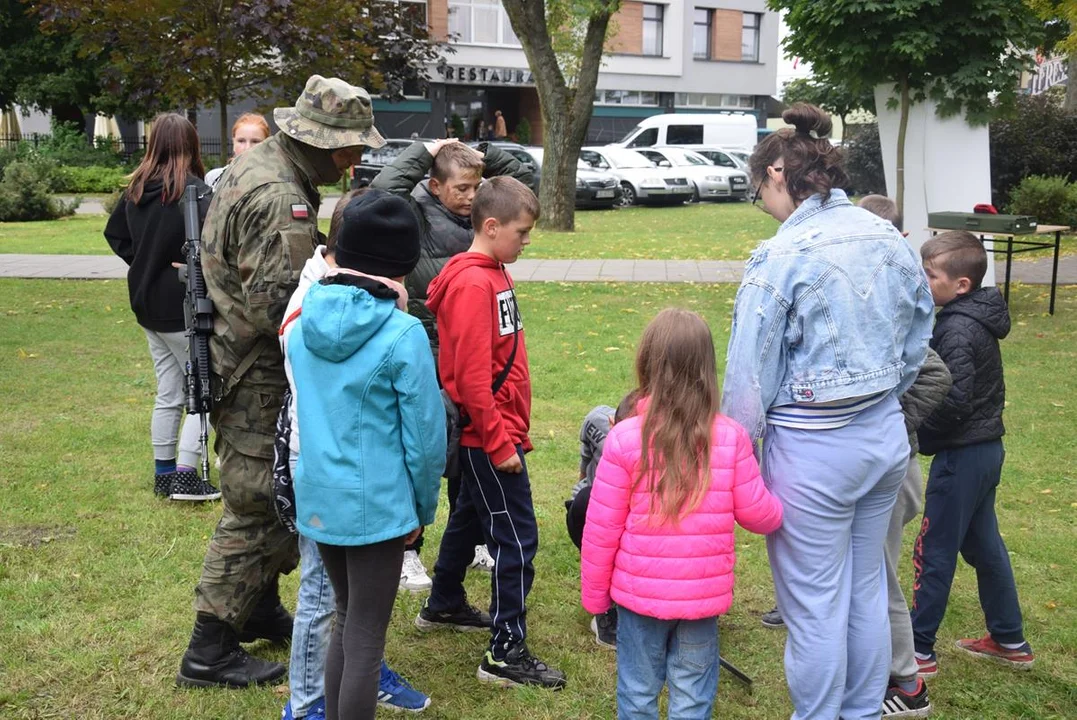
(483, 367)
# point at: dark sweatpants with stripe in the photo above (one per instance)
(501, 505)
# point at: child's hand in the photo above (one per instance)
(434, 147)
(513, 465)
(413, 535)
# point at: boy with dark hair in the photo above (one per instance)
(965, 436)
(596, 426)
(443, 206)
(483, 366)
(314, 608)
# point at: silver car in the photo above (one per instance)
(711, 181)
(641, 182)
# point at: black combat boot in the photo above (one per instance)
(214, 658)
(269, 620)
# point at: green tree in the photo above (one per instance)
(1061, 19)
(958, 53)
(44, 71)
(838, 99)
(563, 41)
(171, 53)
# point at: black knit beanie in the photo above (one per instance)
(379, 235)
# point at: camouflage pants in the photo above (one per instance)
(250, 547)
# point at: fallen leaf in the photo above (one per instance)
(1058, 404)
(612, 348)
(1051, 605)
(1048, 491)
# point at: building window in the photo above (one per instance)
(626, 97)
(701, 34)
(714, 100)
(749, 36)
(481, 22)
(652, 28)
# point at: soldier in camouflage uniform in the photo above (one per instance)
(260, 231)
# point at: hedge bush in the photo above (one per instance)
(90, 179)
(26, 192)
(1051, 200)
(864, 160)
(67, 145)
(1037, 138)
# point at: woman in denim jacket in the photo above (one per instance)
(830, 326)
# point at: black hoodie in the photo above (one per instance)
(149, 237)
(966, 335)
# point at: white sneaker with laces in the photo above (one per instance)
(413, 575)
(483, 561)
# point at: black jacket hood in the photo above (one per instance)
(984, 305)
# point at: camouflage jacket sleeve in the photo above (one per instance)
(498, 162)
(274, 248)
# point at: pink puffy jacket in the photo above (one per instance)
(662, 570)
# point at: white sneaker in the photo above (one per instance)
(482, 560)
(413, 575)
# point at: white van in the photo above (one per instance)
(727, 130)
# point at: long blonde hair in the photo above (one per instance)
(677, 372)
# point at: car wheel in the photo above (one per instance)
(695, 194)
(628, 195)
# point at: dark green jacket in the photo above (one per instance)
(444, 234)
(926, 394)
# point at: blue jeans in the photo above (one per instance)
(652, 652)
(959, 516)
(313, 626)
(837, 488)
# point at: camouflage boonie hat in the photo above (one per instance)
(330, 114)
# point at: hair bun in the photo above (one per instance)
(808, 120)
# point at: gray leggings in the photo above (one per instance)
(169, 353)
(365, 580)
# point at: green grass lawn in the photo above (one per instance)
(706, 231)
(96, 576)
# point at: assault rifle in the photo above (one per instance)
(198, 314)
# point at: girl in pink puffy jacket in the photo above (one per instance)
(658, 540)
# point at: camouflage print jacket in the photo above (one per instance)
(260, 230)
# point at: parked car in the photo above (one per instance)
(594, 189)
(736, 130)
(523, 155)
(374, 160)
(711, 181)
(723, 158)
(641, 182)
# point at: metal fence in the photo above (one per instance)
(126, 146)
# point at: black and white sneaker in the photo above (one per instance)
(604, 627)
(900, 704)
(188, 486)
(464, 619)
(162, 484)
(773, 619)
(519, 667)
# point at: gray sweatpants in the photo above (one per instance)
(908, 506)
(169, 353)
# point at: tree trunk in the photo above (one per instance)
(222, 103)
(903, 126)
(566, 111)
(1070, 104)
(70, 114)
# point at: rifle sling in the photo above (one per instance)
(244, 365)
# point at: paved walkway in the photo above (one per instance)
(97, 267)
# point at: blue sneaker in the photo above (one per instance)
(395, 693)
(316, 712)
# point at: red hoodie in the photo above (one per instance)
(474, 301)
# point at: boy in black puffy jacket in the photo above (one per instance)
(965, 436)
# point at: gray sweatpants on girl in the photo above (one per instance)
(908, 506)
(169, 353)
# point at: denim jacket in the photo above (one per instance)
(835, 306)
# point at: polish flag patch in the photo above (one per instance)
(300, 212)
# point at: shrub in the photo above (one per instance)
(90, 179)
(523, 132)
(457, 124)
(864, 161)
(26, 192)
(1051, 200)
(110, 203)
(68, 146)
(1037, 138)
